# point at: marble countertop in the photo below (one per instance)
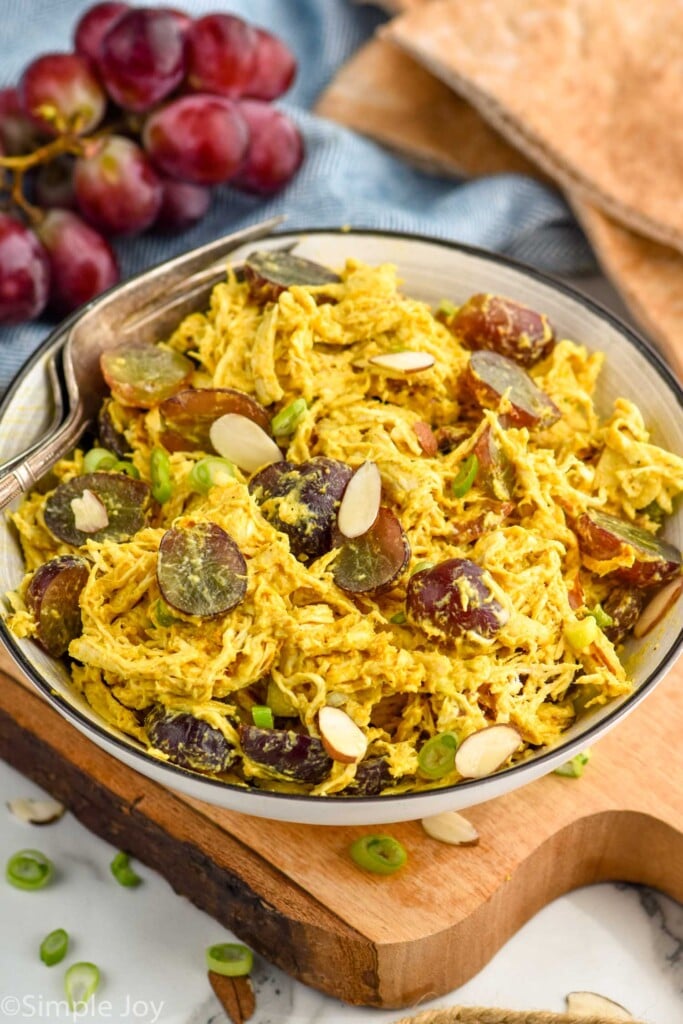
(619, 940)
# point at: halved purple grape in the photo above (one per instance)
(188, 741)
(188, 415)
(489, 376)
(302, 500)
(200, 569)
(125, 499)
(52, 597)
(374, 561)
(372, 776)
(111, 438)
(143, 375)
(502, 325)
(623, 605)
(286, 754)
(603, 537)
(496, 472)
(453, 598)
(271, 273)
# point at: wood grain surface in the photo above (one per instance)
(293, 894)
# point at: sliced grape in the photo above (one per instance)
(501, 325)
(286, 754)
(188, 741)
(271, 273)
(109, 436)
(372, 562)
(496, 472)
(603, 537)
(52, 597)
(125, 499)
(623, 605)
(143, 375)
(372, 776)
(200, 570)
(452, 598)
(302, 501)
(489, 376)
(188, 415)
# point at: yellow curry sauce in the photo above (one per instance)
(300, 642)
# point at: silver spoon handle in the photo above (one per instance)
(26, 473)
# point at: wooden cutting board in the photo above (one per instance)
(292, 893)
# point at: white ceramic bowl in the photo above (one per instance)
(431, 271)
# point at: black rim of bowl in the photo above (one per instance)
(520, 770)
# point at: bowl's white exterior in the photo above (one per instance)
(432, 271)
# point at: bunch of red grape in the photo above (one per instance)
(130, 132)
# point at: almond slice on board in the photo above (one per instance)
(243, 442)
(40, 811)
(452, 828)
(496, 54)
(591, 1004)
(360, 504)
(482, 752)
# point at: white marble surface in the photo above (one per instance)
(622, 941)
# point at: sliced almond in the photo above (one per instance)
(450, 827)
(41, 811)
(426, 438)
(243, 442)
(90, 512)
(590, 1004)
(485, 751)
(342, 739)
(656, 609)
(359, 506)
(403, 362)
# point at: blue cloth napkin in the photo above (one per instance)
(345, 179)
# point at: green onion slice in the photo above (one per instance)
(231, 959)
(399, 619)
(603, 620)
(123, 466)
(162, 614)
(98, 459)
(80, 983)
(262, 716)
(437, 756)
(574, 768)
(446, 308)
(211, 472)
(160, 475)
(383, 855)
(54, 947)
(289, 418)
(424, 564)
(467, 474)
(29, 869)
(123, 872)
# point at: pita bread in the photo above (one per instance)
(430, 125)
(592, 92)
(648, 275)
(384, 93)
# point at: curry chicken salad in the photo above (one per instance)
(330, 540)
